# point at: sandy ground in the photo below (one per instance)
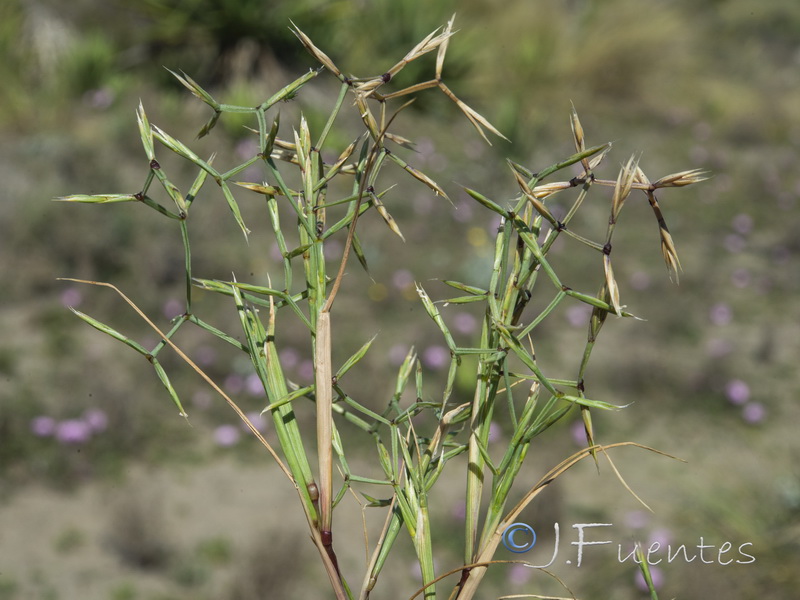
(65, 546)
(84, 544)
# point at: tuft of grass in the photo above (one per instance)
(312, 199)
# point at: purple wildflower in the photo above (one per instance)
(73, 431)
(397, 354)
(753, 413)
(519, 574)
(234, 383)
(257, 419)
(737, 392)
(253, 385)
(578, 433)
(463, 211)
(636, 519)
(578, 314)
(289, 357)
(172, 308)
(96, 419)
(721, 314)
(717, 348)
(206, 356)
(99, 98)
(306, 370)
(201, 399)
(742, 224)
(226, 435)
(402, 278)
(436, 357)
(43, 426)
(247, 148)
(660, 536)
(656, 574)
(465, 323)
(494, 432)
(459, 510)
(71, 297)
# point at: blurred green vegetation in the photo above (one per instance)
(712, 85)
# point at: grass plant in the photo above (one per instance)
(414, 441)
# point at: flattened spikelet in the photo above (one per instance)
(682, 179)
(323, 58)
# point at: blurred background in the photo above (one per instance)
(106, 493)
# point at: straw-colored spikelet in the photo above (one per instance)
(623, 187)
(478, 120)
(681, 179)
(316, 52)
(669, 253)
(577, 130)
(611, 285)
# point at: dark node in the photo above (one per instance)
(139, 196)
(560, 226)
(348, 81)
(386, 77)
(370, 189)
(580, 386)
(320, 227)
(565, 288)
(607, 248)
(327, 538)
(387, 151)
(334, 380)
(512, 215)
(154, 164)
